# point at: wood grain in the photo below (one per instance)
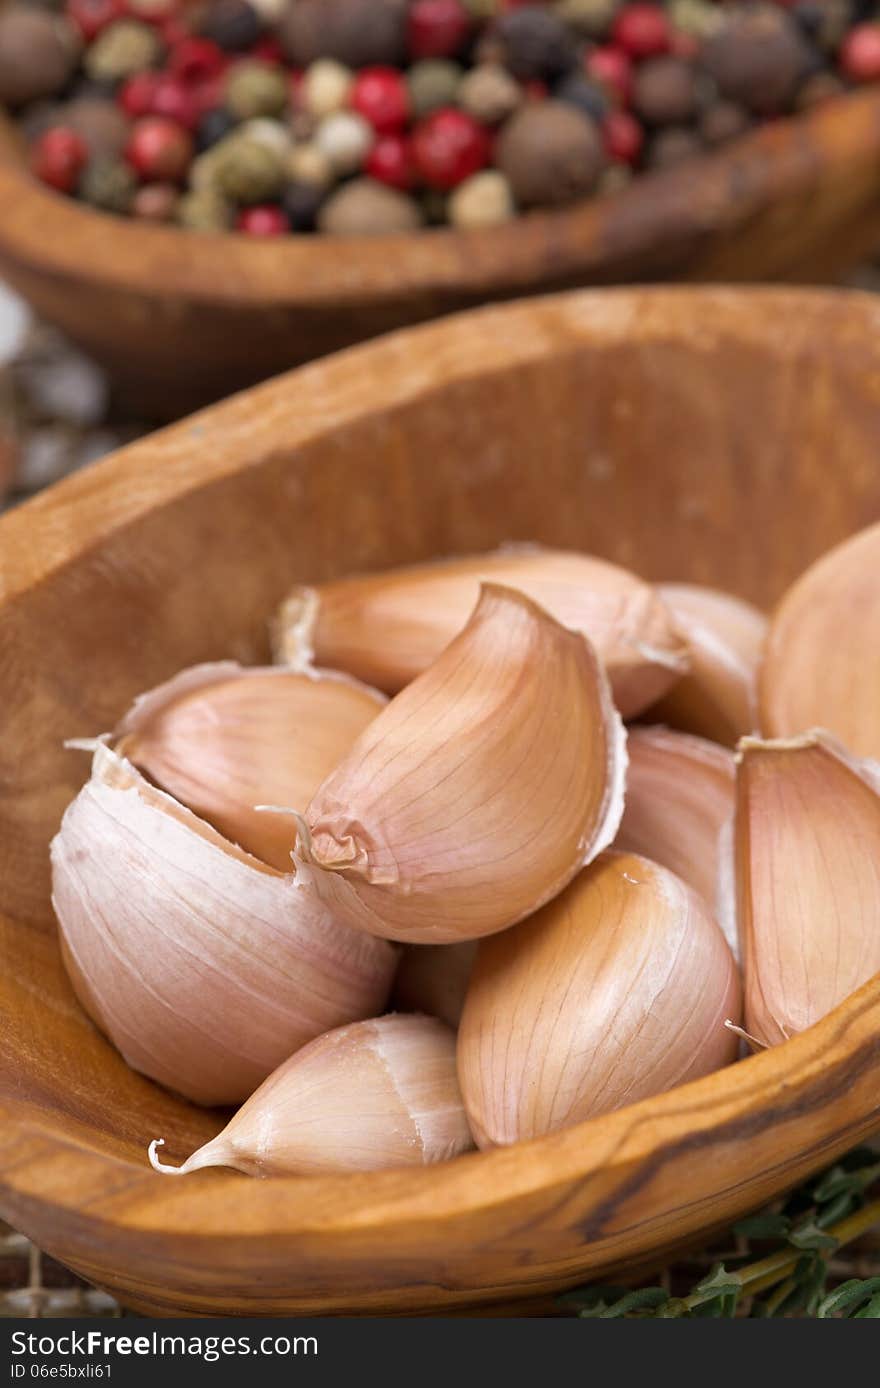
(182, 319)
(701, 435)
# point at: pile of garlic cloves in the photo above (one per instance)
(417, 887)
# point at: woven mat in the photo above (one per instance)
(56, 415)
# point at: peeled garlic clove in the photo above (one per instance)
(481, 789)
(223, 740)
(204, 967)
(808, 880)
(822, 661)
(366, 1097)
(434, 979)
(679, 797)
(387, 628)
(718, 697)
(616, 990)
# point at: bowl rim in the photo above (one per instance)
(78, 1184)
(714, 192)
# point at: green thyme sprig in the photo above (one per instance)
(792, 1279)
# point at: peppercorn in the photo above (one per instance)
(247, 171)
(672, 146)
(214, 125)
(823, 21)
(665, 91)
(108, 184)
(359, 33)
(484, 200)
(433, 84)
(723, 120)
(104, 127)
(489, 93)
(551, 154)
(437, 28)
(204, 210)
(274, 134)
(366, 208)
(821, 87)
(346, 139)
(196, 60)
(233, 25)
(302, 203)
(623, 137)
(758, 57)
(591, 18)
(265, 220)
(307, 164)
(159, 149)
(860, 53)
(91, 16)
(123, 48)
(390, 161)
(447, 147)
(613, 69)
(58, 158)
(326, 87)
(256, 89)
(38, 54)
(590, 97)
(380, 95)
(533, 43)
(641, 30)
(155, 202)
(695, 17)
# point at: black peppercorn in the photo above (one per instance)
(233, 25)
(588, 96)
(302, 203)
(534, 44)
(213, 126)
(358, 33)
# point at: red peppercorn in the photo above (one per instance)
(173, 31)
(623, 137)
(265, 219)
(136, 95)
(613, 69)
(437, 28)
(174, 99)
(642, 30)
(267, 50)
(58, 158)
(159, 149)
(381, 96)
(195, 60)
(91, 16)
(390, 161)
(859, 56)
(448, 146)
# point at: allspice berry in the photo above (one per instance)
(38, 54)
(758, 57)
(102, 124)
(247, 171)
(484, 200)
(365, 207)
(433, 84)
(256, 89)
(533, 43)
(551, 154)
(108, 184)
(489, 93)
(122, 49)
(673, 146)
(724, 120)
(665, 91)
(233, 25)
(358, 33)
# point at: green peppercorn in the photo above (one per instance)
(121, 50)
(432, 84)
(108, 184)
(256, 89)
(248, 171)
(204, 210)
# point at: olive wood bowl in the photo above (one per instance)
(720, 436)
(182, 319)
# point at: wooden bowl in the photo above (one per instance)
(719, 436)
(182, 319)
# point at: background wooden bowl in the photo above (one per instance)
(182, 319)
(720, 436)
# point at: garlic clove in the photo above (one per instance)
(822, 661)
(718, 697)
(679, 798)
(387, 628)
(808, 880)
(204, 967)
(481, 789)
(618, 989)
(367, 1097)
(434, 979)
(223, 739)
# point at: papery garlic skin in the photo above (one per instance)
(434, 979)
(223, 739)
(481, 789)
(679, 798)
(822, 661)
(204, 967)
(387, 628)
(718, 697)
(376, 1095)
(616, 990)
(808, 880)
